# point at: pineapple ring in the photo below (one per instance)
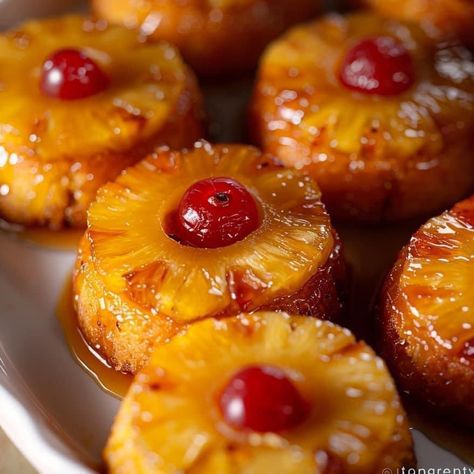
(170, 422)
(55, 154)
(438, 17)
(374, 157)
(427, 313)
(135, 284)
(214, 36)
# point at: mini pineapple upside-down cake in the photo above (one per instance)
(211, 231)
(377, 112)
(80, 101)
(439, 18)
(427, 314)
(265, 393)
(214, 36)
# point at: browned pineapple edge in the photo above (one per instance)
(80, 102)
(136, 284)
(375, 110)
(198, 405)
(426, 320)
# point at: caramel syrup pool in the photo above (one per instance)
(113, 382)
(66, 239)
(370, 253)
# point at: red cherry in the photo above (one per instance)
(68, 74)
(262, 399)
(216, 212)
(378, 65)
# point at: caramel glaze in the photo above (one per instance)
(113, 382)
(426, 317)
(371, 252)
(65, 239)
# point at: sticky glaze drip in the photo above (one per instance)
(113, 382)
(66, 239)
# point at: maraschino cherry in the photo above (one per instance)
(262, 399)
(69, 74)
(379, 65)
(215, 212)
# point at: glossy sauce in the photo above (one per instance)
(371, 252)
(113, 382)
(66, 239)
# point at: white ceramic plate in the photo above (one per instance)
(51, 409)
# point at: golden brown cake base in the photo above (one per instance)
(215, 37)
(427, 317)
(136, 286)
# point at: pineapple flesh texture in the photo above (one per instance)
(169, 421)
(135, 284)
(55, 154)
(375, 158)
(427, 317)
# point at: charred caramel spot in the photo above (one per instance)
(269, 161)
(128, 116)
(143, 285)
(329, 463)
(154, 386)
(351, 349)
(245, 286)
(21, 39)
(159, 383)
(465, 211)
(320, 136)
(425, 245)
